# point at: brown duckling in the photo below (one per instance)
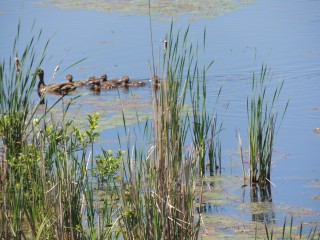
(107, 84)
(126, 83)
(155, 80)
(96, 88)
(78, 83)
(58, 88)
(93, 81)
(115, 82)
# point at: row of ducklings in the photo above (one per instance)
(95, 83)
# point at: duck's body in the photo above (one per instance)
(95, 88)
(61, 89)
(133, 84)
(93, 81)
(78, 83)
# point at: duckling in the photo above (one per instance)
(96, 85)
(93, 81)
(61, 89)
(110, 82)
(155, 80)
(96, 88)
(113, 83)
(78, 83)
(124, 80)
(126, 83)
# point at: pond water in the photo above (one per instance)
(241, 36)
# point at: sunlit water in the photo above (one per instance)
(283, 35)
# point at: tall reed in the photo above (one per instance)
(46, 185)
(262, 118)
(16, 112)
(159, 184)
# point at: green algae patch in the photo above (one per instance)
(226, 206)
(161, 9)
(234, 227)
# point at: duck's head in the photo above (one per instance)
(124, 80)
(155, 80)
(103, 77)
(69, 78)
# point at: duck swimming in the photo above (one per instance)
(126, 83)
(93, 81)
(96, 84)
(78, 83)
(155, 80)
(106, 84)
(115, 82)
(58, 88)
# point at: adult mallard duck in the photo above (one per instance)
(61, 89)
(78, 83)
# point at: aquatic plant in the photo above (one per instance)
(16, 86)
(159, 183)
(290, 233)
(262, 118)
(45, 187)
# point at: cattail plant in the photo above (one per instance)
(159, 184)
(262, 118)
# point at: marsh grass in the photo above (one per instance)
(262, 118)
(288, 232)
(47, 186)
(159, 183)
(53, 186)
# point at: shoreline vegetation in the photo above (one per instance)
(55, 184)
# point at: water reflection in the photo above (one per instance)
(208, 207)
(261, 204)
(213, 204)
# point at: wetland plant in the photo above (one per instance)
(290, 233)
(46, 190)
(262, 118)
(159, 184)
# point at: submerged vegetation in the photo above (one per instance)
(55, 184)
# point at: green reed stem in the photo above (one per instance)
(262, 117)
